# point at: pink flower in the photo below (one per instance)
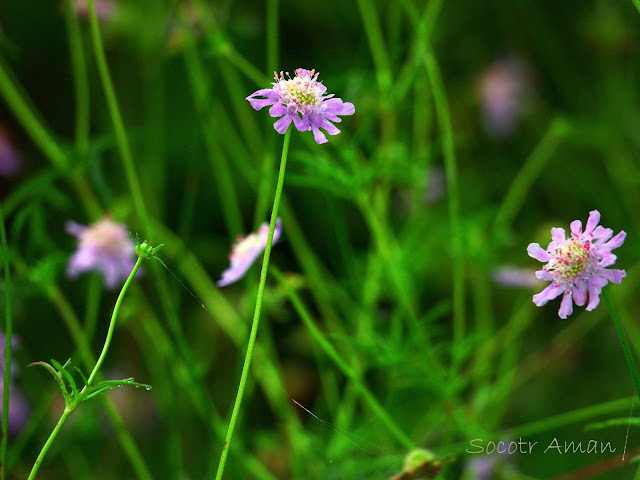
(577, 266)
(504, 87)
(104, 8)
(18, 406)
(9, 157)
(514, 277)
(104, 246)
(245, 251)
(301, 100)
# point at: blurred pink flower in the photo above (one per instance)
(504, 87)
(10, 158)
(18, 406)
(104, 246)
(104, 8)
(245, 251)
(516, 277)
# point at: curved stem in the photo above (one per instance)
(112, 324)
(258, 309)
(52, 437)
(625, 344)
(7, 347)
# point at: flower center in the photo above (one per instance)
(572, 258)
(303, 90)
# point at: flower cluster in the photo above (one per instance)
(104, 246)
(302, 100)
(576, 266)
(246, 250)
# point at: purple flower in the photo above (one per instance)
(104, 246)
(245, 251)
(503, 90)
(104, 9)
(577, 266)
(508, 276)
(301, 99)
(18, 405)
(9, 157)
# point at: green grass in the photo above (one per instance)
(382, 329)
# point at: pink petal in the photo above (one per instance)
(536, 251)
(566, 306)
(592, 222)
(549, 293)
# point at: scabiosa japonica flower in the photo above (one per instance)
(104, 246)
(576, 266)
(9, 157)
(301, 100)
(104, 8)
(514, 277)
(245, 251)
(504, 88)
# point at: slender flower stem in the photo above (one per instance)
(114, 316)
(530, 171)
(258, 309)
(625, 344)
(7, 347)
(349, 372)
(116, 118)
(71, 408)
(637, 4)
(444, 121)
(52, 437)
(81, 84)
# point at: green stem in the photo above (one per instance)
(39, 134)
(52, 437)
(532, 168)
(258, 309)
(349, 372)
(29, 121)
(376, 44)
(625, 344)
(79, 68)
(637, 4)
(444, 121)
(112, 324)
(116, 118)
(7, 347)
(272, 35)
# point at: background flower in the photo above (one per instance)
(245, 251)
(105, 246)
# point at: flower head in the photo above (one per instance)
(576, 266)
(104, 9)
(503, 89)
(302, 100)
(9, 157)
(104, 246)
(245, 251)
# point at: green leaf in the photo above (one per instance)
(614, 422)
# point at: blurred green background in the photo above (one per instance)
(544, 107)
